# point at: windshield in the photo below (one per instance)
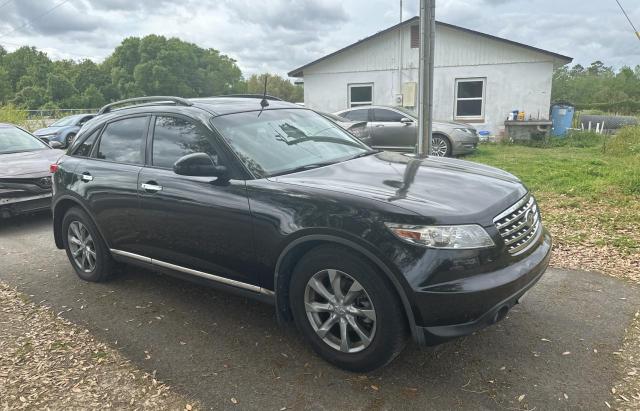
(65, 121)
(283, 141)
(14, 140)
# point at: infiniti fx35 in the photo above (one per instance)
(359, 248)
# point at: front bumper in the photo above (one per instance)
(485, 298)
(23, 205)
(464, 144)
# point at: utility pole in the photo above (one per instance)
(425, 96)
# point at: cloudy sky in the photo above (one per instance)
(280, 35)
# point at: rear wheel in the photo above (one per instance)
(85, 248)
(347, 310)
(440, 146)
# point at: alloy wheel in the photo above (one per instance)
(81, 246)
(439, 147)
(340, 311)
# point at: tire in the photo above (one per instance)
(440, 146)
(76, 224)
(69, 139)
(387, 327)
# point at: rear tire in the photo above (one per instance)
(365, 310)
(440, 146)
(87, 252)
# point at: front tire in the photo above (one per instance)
(347, 310)
(69, 139)
(85, 248)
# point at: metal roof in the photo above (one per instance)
(299, 72)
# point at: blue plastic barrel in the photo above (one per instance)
(561, 117)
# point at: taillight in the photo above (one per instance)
(53, 168)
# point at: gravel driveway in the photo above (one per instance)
(557, 350)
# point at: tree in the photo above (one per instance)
(59, 88)
(276, 86)
(92, 97)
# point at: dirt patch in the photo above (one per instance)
(48, 363)
(626, 392)
(601, 236)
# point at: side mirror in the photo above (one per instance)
(199, 165)
(406, 121)
(55, 144)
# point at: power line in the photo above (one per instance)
(37, 18)
(629, 20)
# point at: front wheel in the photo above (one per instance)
(347, 310)
(440, 146)
(69, 139)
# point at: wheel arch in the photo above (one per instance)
(300, 246)
(60, 208)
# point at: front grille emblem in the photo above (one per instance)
(44, 182)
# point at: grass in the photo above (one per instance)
(589, 194)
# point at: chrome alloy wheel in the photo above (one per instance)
(82, 247)
(439, 147)
(340, 311)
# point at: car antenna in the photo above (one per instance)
(264, 103)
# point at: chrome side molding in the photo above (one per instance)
(212, 277)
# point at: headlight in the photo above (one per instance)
(443, 236)
(466, 130)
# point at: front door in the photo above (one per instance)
(390, 133)
(197, 223)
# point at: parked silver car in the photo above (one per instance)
(396, 129)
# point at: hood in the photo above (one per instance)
(29, 164)
(453, 124)
(449, 190)
(47, 130)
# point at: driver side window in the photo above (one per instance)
(175, 137)
(387, 116)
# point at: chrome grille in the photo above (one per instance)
(519, 224)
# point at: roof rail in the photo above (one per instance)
(177, 100)
(260, 96)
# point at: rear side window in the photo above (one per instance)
(175, 137)
(123, 141)
(387, 116)
(356, 115)
(85, 148)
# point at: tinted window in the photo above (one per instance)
(122, 141)
(387, 116)
(356, 115)
(84, 150)
(174, 137)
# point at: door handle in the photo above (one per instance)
(86, 177)
(151, 187)
(379, 125)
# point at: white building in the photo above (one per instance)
(478, 78)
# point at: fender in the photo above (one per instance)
(57, 220)
(281, 300)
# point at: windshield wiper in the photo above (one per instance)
(364, 154)
(305, 167)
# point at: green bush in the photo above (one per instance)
(9, 114)
(579, 139)
(626, 142)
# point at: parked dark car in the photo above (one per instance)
(396, 129)
(358, 247)
(25, 181)
(359, 129)
(64, 130)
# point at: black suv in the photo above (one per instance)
(358, 247)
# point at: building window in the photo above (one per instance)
(470, 99)
(360, 95)
(415, 36)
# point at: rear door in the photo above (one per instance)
(197, 223)
(108, 178)
(389, 133)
